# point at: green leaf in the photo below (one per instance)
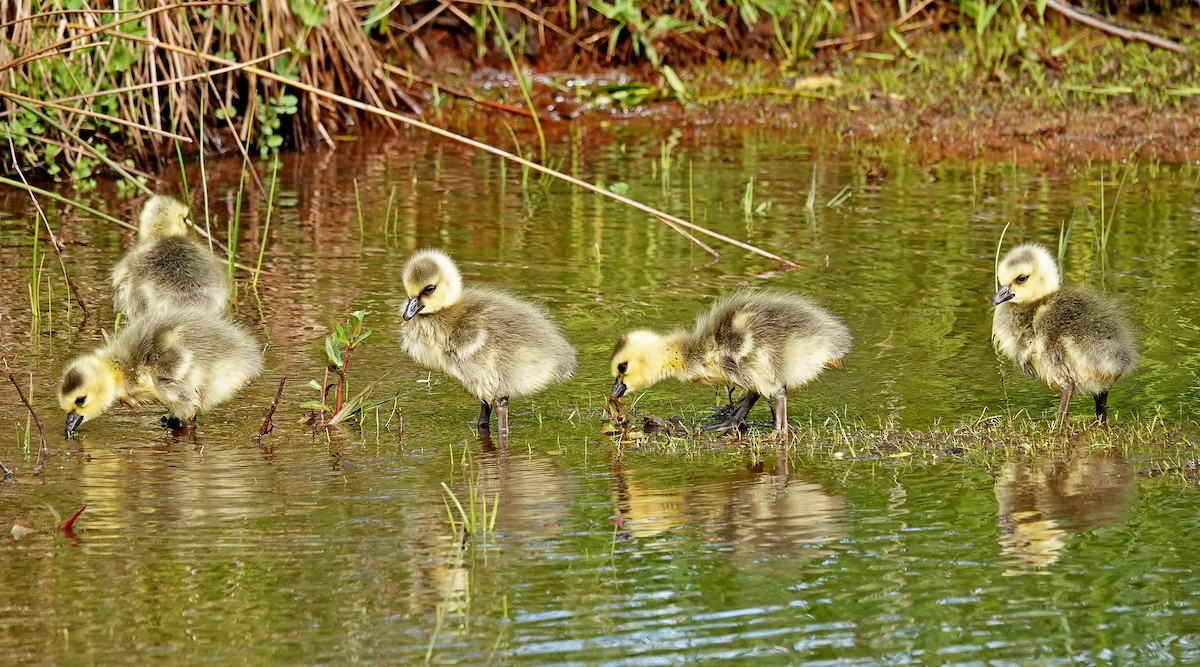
(315, 405)
(674, 82)
(311, 14)
(333, 356)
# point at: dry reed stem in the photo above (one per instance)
(164, 82)
(268, 425)
(36, 420)
(1104, 26)
(59, 12)
(401, 71)
(54, 242)
(45, 51)
(392, 115)
(93, 114)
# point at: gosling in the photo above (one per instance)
(166, 270)
(188, 361)
(1075, 340)
(762, 342)
(496, 345)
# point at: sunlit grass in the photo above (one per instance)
(1151, 440)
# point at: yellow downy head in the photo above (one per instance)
(432, 283)
(1028, 273)
(641, 359)
(163, 216)
(88, 388)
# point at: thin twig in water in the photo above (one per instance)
(53, 239)
(268, 424)
(392, 115)
(36, 421)
(6, 470)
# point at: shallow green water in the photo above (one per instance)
(210, 549)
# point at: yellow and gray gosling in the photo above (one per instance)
(763, 342)
(496, 345)
(167, 270)
(189, 361)
(1075, 340)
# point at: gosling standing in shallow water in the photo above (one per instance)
(189, 361)
(496, 345)
(764, 342)
(1075, 340)
(166, 269)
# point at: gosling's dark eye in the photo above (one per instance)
(1021, 279)
(80, 401)
(623, 367)
(428, 290)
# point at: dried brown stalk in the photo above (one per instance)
(1127, 34)
(36, 421)
(268, 425)
(94, 114)
(164, 82)
(392, 115)
(52, 49)
(54, 242)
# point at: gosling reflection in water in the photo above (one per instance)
(750, 510)
(1042, 501)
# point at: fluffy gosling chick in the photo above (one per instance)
(187, 361)
(763, 342)
(1075, 340)
(166, 269)
(496, 345)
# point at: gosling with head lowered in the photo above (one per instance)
(498, 346)
(763, 342)
(1075, 340)
(167, 270)
(189, 361)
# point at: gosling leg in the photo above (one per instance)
(1102, 407)
(485, 417)
(502, 418)
(781, 423)
(1064, 401)
(739, 414)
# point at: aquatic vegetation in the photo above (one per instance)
(339, 345)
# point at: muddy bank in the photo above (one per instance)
(955, 130)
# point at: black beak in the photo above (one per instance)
(1003, 295)
(411, 309)
(74, 419)
(618, 389)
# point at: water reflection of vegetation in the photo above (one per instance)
(880, 539)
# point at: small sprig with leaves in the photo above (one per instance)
(339, 346)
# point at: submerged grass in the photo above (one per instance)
(1150, 442)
